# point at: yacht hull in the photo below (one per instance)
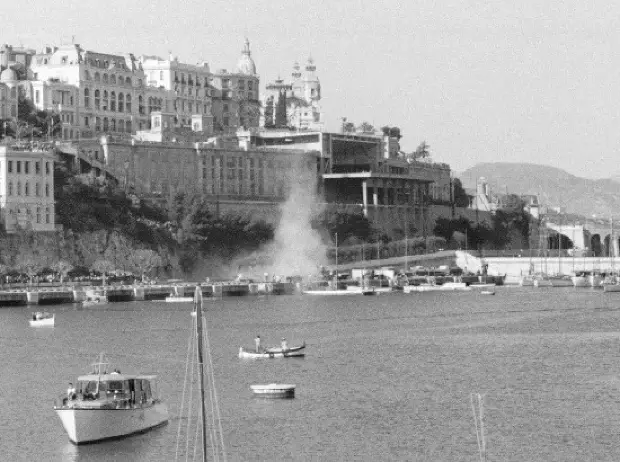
(92, 425)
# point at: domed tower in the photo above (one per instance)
(312, 90)
(246, 65)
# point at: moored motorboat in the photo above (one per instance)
(274, 390)
(446, 287)
(615, 287)
(42, 319)
(177, 299)
(329, 292)
(95, 300)
(110, 405)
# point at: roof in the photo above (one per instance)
(110, 377)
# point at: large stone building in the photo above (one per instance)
(236, 102)
(26, 189)
(252, 173)
(301, 95)
(98, 93)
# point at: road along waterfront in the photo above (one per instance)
(384, 378)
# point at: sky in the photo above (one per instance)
(478, 81)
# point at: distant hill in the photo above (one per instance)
(554, 187)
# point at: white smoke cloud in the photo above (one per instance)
(298, 249)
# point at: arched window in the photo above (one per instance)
(128, 102)
(121, 102)
(112, 125)
(121, 125)
(104, 104)
(26, 189)
(128, 81)
(112, 101)
(97, 77)
(97, 100)
(98, 124)
(105, 124)
(86, 75)
(106, 64)
(86, 97)
(128, 127)
(105, 78)
(113, 79)
(140, 104)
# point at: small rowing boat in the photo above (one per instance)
(247, 353)
(42, 319)
(274, 390)
(279, 349)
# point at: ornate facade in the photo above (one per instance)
(100, 93)
(302, 96)
(236, 102)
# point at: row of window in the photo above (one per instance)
(111, 79)
(26, 190)
(28, 212)
(26, 165)
(111, 124)
(191, 79)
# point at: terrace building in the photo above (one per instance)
(26, 188)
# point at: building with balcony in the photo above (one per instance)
(363, 172)
(26, 188)
(189, 86)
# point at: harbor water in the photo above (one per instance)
(385, 377)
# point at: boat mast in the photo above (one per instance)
(560, 248)
(198, 305)
(336, 261)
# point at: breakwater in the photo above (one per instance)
(123, 293)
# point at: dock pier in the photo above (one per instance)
(126, 293)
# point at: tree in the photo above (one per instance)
(62, 267)
(143, 261)
(348, 127)
(281, 120)
(104, 267)
(269, 113)
(29, 264)
(392, 131)
(347, 226)
(460, 197)
(365, 127)
(422, 151)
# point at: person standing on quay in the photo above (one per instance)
(257, 343)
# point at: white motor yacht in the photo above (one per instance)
(107, 405)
